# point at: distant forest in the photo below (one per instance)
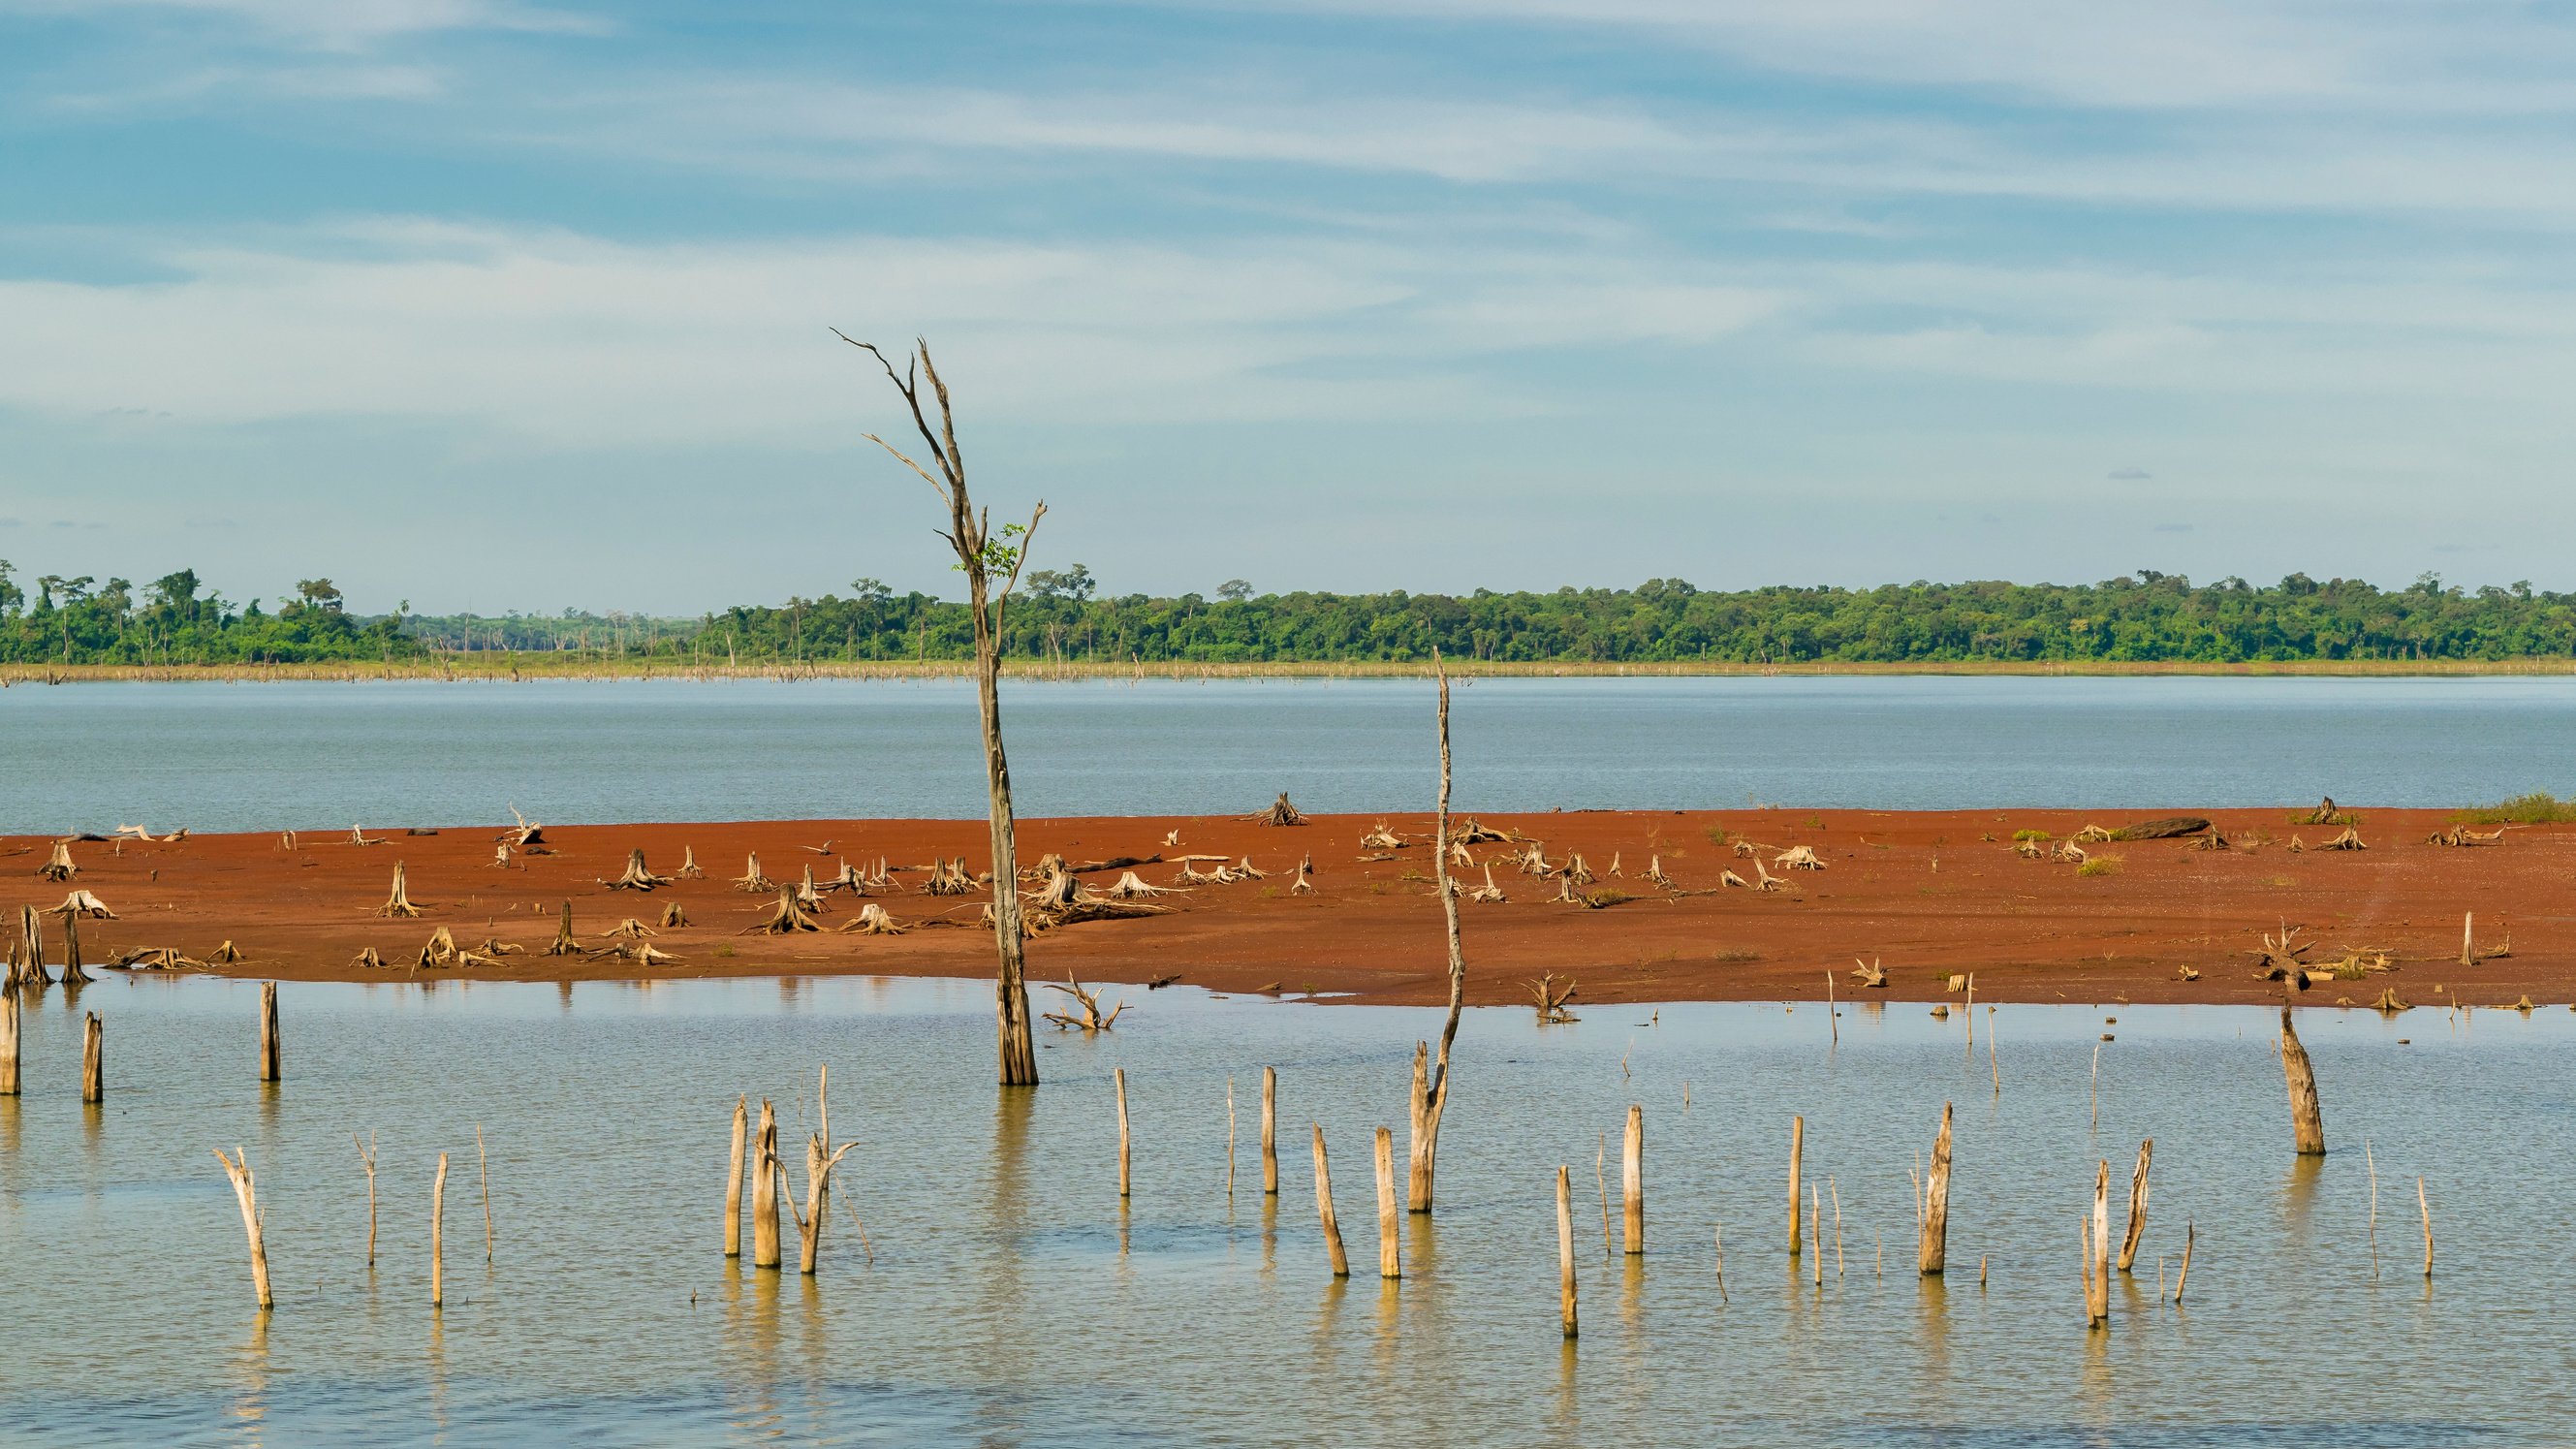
(1061, 616)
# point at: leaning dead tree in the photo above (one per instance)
(984, 560)
(1431, 1081)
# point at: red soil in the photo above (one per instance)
(1929, 894)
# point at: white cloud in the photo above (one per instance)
(334, 24)
(582, 342)
(2141, 54)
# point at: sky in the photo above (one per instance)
(491, 305)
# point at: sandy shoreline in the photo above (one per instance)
(1927, 893)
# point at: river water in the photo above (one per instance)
(303, 755)
(1013, 1300)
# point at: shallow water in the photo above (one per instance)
(301, 755)
(1011, 1301)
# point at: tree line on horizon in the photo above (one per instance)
(1061, 616)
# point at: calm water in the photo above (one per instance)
(1011, 1302)
(244, 757)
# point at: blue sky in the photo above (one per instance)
(492, 305)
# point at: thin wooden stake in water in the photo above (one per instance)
(237, 1168)
(1565, 1252)
(2097, 1252)
(1229, 1139)
(1816, 1230)
(367, 1158)
(1324, 1209)
(1718, 1237)
(438, 1235)
(1968, 1014)
(2307, 1119)
(1835, 1193)
(2190, 1235)
(1632, 1183)
(2427, 1207)
(1270, 1131)
(764, 1189)
(93, 1060)
(1120, 1075)
(2097, 1086)
(1390, 1258)
(1992, 1062)
(1932, 1256)
(1797, 1163)
(483, 1169)
(8, 1044)
(2373, 1164)
(270, 1069)
(2137, 1206)
(1833, 1018)
(733, 1185)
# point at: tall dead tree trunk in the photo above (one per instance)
(1431, 1088)
(981, 557)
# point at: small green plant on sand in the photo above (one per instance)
(1716, 834)
(2100, 865)
(2022, 835)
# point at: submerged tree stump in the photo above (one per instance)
(270, 1054)
(1332, 1226)
(93, 1059)
(2307, 1119)
(246, 1191)
(1932, 1256)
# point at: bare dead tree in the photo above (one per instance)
(983, 559)
(1431, 1081)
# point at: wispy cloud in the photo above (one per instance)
(333, 24)
(577, 340)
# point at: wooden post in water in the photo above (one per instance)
(2307, 1121)
(1933, 1254)
(367, 1159)
(1816, 1230)
(8, 1044)
(438, 1235)
(2097, 1252)
(1270, 1131)
(1120, 1075)
(2427, 1207)
(93, 1060)
(733, 1185)
(237, 1168)
(1797, 1159)
(35, 934)
(1632, 1182)
(1565, 1251)
(1229, 1140)
(72, 973)
(270, 1069)
(764, 1190)
(2137, 1205)
(1324, 1209)
(1390, 1256)
(2190, 1235)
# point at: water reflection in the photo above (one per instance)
(1003, 1264)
